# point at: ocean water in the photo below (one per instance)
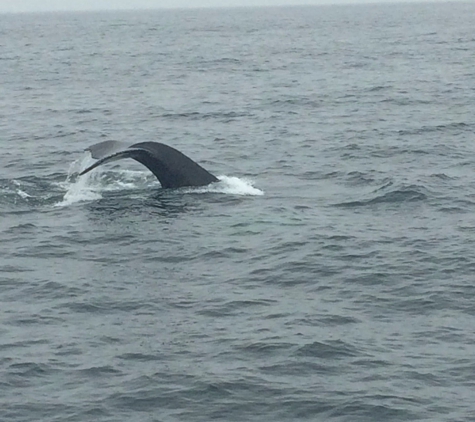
(328, 275)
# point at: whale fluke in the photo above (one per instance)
(172, 168)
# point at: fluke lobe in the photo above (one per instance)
(172, 168)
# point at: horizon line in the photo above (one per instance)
(208, 7)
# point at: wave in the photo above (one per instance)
(194, 115)
(455, 128)
(385, 195)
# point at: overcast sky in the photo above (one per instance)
(45, 5)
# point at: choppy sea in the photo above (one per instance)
(328, 275)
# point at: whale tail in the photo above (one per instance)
(172, 168)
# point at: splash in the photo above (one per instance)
(20, 192)
(229, 185)
(83, 188)
(90, 186)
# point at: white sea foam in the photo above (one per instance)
(230, 185)
(83, 188)
(90, 186)
(21, 193)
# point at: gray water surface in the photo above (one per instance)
(327, 277)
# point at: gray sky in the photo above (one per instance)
(45, 5)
